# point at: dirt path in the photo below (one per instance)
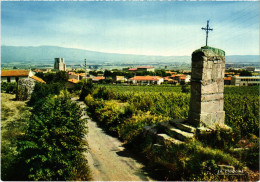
(108, 159)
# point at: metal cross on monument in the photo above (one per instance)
(207, 31)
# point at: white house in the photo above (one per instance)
(16, 75)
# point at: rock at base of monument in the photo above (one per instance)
(182, 124)
(164, 139)
(175, 132)
(209, 120)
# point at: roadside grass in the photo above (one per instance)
(11, 109)
(13, 123)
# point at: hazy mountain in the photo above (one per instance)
(46, 55)
(242, 59)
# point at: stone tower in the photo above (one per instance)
(207, 88)
(59, 64)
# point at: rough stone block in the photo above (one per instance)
(195, 105)
(208, 65)
(195, 88)
(210, 88)
(212, 119)
(198, 60)
(210, 97)
(221, 104)
(196, 73)
(209, 107)
(194, 118)
(221, 86)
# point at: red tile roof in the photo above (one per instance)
(145, 67)
(167, 78)
(73, 80)
(143, 78)
(15, 72)
(171, 72)
(227, 78)
(38, 79)
(99, 78)
(174, 81)
(37, 70)
(72, 73)
(132, 69)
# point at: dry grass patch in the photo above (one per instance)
(11, 109)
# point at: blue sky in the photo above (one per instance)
(148, 28)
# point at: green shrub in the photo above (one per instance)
(220, 138)
(104, 93)
(58, 77)
(189, 161)
(87, 88)
(110, 115)
(89, 100)
(185, 89)
(9, 155)
(133, 126)
(53, 145)
(130, 110)
(10, 87)
(41, 91)
(77, 88)
(251, 155)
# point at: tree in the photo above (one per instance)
(129, 75)
(185, 89)
(58, 77)
(40, 75)
(80, 71)
(9, 87)
(95, 73)
(53, 145)
(107, 73)
(245, 73)
(41, 91)
(87, 88)
(104, 93)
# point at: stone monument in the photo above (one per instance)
(24, 89)
(207, 88)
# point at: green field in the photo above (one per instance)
(241, 104)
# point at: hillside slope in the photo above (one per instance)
(46, 55)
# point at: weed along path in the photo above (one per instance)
(107, 157)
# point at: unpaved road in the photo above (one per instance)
(108, 159)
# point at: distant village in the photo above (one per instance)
(141, 75)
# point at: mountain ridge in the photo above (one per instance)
(46, 54)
